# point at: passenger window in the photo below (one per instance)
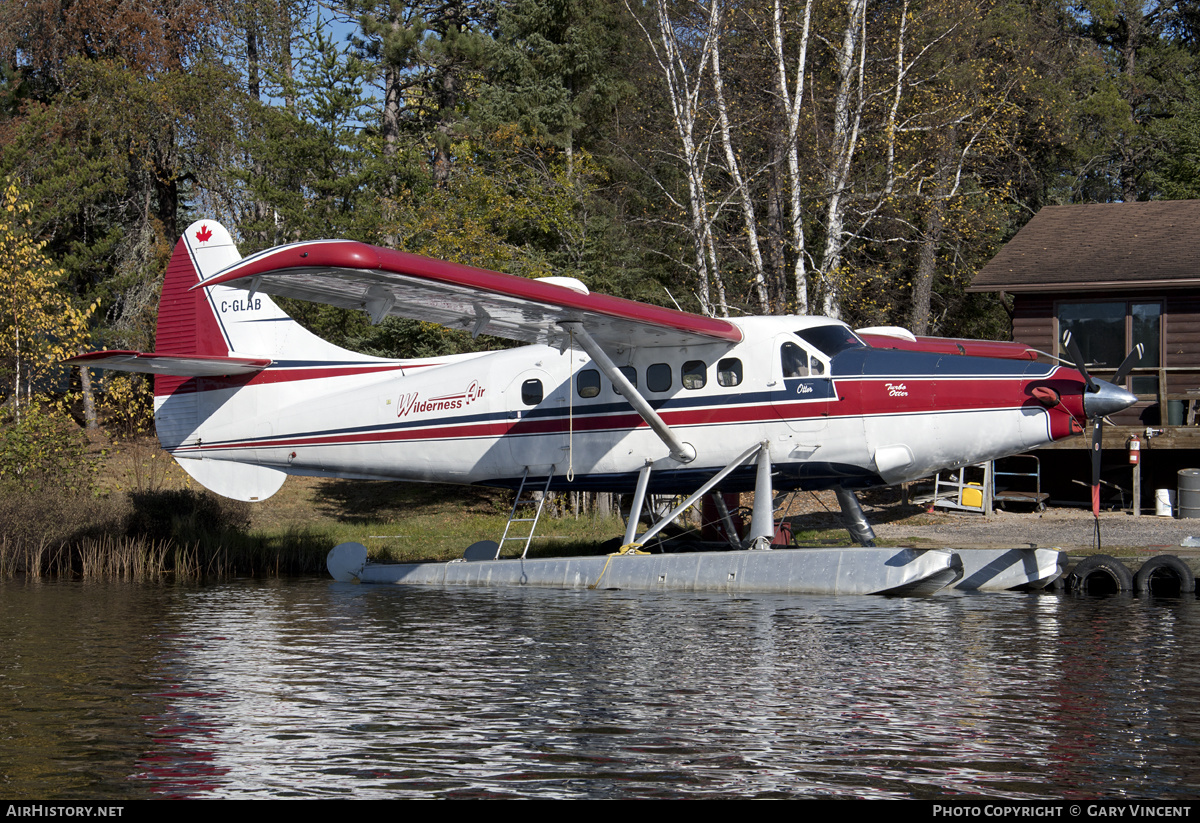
(630, 374)
(694, 374)
(729, 372)
(795, 360)
(658, 377)
(588, 383)
(531, 392)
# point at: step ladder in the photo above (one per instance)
(525, 502)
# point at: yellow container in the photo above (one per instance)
(972, 495)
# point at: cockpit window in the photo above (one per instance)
(831, 339)
(794, 359)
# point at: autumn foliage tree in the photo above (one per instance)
(39, 322)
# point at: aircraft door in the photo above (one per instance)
(536, 409)
(803, 386)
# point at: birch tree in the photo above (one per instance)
(733, 168)
(848, 104)
(685, 83)
(790, 98)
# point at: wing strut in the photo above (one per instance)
(683, 452)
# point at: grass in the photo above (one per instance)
(412, 522)
(822, 537)
(148, 520)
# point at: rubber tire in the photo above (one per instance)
(1117, 571)
(1167, 562)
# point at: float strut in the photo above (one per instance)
(712, 483)
(762, 516)
(856, 521)
(639, 498)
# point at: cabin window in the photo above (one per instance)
(658, 377)
(587, 383)
(531, 392)
(630, 374)
(729, 372)
(694, 374)
(1107, 331)
(794, 359)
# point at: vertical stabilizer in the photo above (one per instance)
(186, 322)
(223, 321)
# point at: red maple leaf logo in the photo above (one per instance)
(204, 234)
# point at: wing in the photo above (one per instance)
(385, 282)
(194, 365)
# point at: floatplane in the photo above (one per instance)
(608, 395)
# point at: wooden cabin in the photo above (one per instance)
(1115, 275)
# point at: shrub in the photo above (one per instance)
(54, 516)
(43, 449)
(184, 515)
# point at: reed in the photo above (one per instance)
(144, 560)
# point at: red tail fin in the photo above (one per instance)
(186, 324)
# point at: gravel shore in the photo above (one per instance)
(1070, 529)
(1067, 529)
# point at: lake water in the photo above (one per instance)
(316, 689)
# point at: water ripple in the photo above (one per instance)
(316, 689)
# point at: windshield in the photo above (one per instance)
(831, 339)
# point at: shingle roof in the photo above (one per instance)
(1099, 247)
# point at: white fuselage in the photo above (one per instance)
(858, 418)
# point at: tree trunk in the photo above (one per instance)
(684, 94)
(775, 241)
(927, 266)
(252, 72)
(89, 398)
(935, 221)
(790, 103)
(846, 120)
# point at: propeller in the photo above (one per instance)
(1101, 398)
(1077, 361)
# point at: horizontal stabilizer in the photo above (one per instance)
(192, 365)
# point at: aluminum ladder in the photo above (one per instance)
(532, 521)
